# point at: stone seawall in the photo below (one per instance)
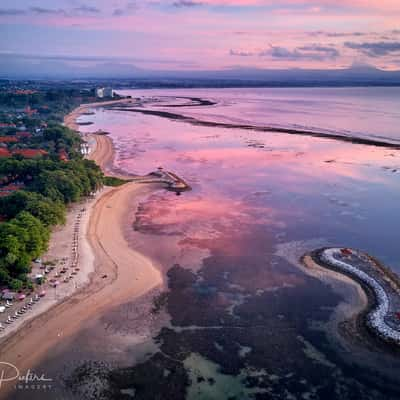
(382, 316)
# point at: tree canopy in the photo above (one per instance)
(49, 185)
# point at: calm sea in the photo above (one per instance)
(240, 319)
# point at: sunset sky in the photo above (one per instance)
(203, 34)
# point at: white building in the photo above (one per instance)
(108, 92)
(100, 92)
(104, 92)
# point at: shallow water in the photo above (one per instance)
(300, 187)
(363, 112)
(239, 320)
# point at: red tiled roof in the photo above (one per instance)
(8, 139)
(8, 189)
(25, 91)
(28, 153)
(4, 153)
(63, 156)
(28, 110)
(346, 252)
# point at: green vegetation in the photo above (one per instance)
(49, 183)
(49, 212)
(113, 181)
(21, 239)
(52, 104)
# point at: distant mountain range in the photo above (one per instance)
(20, 67)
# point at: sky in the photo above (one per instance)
(202, 34)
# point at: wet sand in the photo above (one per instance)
(343, 325)
(356, 300)
(120, 274)
(102, 153)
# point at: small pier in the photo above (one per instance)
(174, 182)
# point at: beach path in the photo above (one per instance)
(128, 273)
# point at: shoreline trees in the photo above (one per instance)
(49, 185)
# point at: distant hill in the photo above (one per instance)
(24, 67)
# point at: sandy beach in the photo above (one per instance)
(60, 246)
(116, 273)
(70, 120)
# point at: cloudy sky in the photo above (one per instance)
(204, 34)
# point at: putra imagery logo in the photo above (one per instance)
(30, 380)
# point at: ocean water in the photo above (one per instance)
(240, 318)
(305, 187)
(360, 112)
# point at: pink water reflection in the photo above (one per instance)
(246, 182)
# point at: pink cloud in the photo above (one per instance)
(204, 36)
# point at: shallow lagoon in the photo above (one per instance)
(240, 319)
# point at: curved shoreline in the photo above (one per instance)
(119, 274)
(378, 307)
(70, 120)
